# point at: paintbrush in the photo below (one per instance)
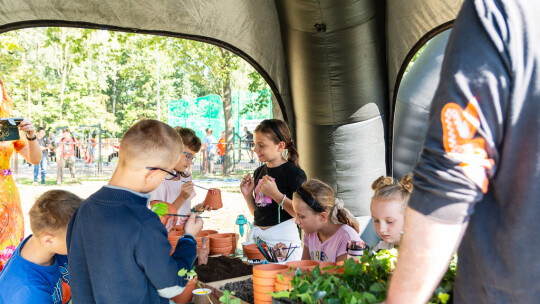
(182, 215)
(198, 186)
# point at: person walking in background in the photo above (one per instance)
(248, 144)
(66, 148)
(209, 145)
(11, 215)
(221, 151)
(42, 166)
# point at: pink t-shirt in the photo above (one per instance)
(330, 249)
(169, 190)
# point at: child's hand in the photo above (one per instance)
(269, 188)
(193, 225)
(247, 186)
(187, 190)
(281, 250)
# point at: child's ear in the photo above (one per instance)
(150, 176)
(323, 216)
(281, 146)
(46, 239)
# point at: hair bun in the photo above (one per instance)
(381, 182)
(407, 182)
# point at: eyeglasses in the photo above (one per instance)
(169, 176)
(189, 156)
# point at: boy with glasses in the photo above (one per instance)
(118, 248)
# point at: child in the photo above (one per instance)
(37, 272)
(269, 193)
(388, 207)
(179, 190)
(327, 224)
(118, 248)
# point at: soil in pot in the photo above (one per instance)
(242, 289)
(222, 268)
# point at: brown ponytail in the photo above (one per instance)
(266, 128)
(324, 194)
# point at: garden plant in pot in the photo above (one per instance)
(362, 282)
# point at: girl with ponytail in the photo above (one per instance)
(388, 207)
(269, 193)
(327, 224)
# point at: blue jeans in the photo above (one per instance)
(43, 166)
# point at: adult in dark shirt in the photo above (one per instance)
(44, 146)
(269, 193)
(476, 182)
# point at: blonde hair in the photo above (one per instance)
(52, 211)
(150, 142)
(387, 188)
(324, 194)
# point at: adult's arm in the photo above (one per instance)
(424, 254)
(32, 151)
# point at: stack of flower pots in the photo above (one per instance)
(264, 278)
(234, 239)
(173, 237)
(252, 251)
(220, 243)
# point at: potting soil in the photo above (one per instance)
(242, 289)
(222, 268)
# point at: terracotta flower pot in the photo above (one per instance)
(220, 240)
(176, 233)
(304, 265)
(220, 250)
(261, 297)
(170, 210)
(187, 294)
(252, 252)
(179, 228)
(284, 277)
(264, 281)
(210, 232)
(268, 270)
(323, 265)
(282, 287)
(234, 239)
(213, 199)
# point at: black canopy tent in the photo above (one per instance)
(333, 65)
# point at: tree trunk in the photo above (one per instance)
(229, 125)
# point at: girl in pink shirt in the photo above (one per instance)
(327, 224)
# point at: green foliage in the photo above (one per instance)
(365, 282)
(264, 94)
(226, 298)
(71, 77)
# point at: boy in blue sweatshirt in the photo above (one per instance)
(37, 272)
(118, 248)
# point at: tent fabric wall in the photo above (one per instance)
(413, 103)
(334, 84)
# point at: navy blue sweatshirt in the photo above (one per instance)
(119, 253)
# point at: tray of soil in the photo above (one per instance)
(242, 289)
(222, 268)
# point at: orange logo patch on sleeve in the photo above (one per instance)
(459, 130)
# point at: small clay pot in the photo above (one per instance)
(170, 210)
(252, 252)
(220, 250)
(187, 294)
(304, 265)
(234, 238)
(262, 297)
(220, 240)
(284, 277)
(282, 287)
(210, 232)
(179, 228)
(268, 270)
(323, 265)
(213, 199)
(264, 281)
(174, 237)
